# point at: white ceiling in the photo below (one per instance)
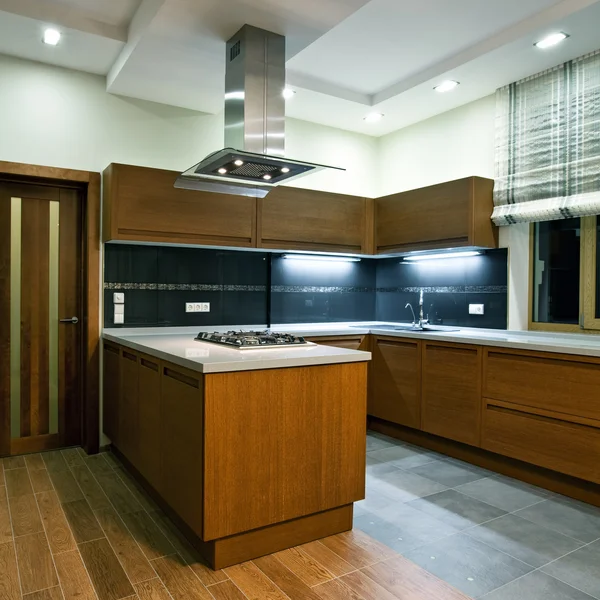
(345, 58)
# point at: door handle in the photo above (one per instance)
(73, 320)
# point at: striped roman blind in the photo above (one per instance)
(548, 144)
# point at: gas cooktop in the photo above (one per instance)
(244, 340)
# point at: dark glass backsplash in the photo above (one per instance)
(158, 281)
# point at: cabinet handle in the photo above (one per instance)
(182, 378)
(149, 365)
(129, 356)
(113, 349)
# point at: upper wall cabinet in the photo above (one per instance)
(447, 215)
(141, 204)
(298, 219)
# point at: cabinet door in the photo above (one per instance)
(446, 215)
(111, 391)
(129, 408)
(141, 204)
(182, 417)
(452, 391)
(149, 430)
(395, 381)
(297, 219)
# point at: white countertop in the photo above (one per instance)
(176, 344)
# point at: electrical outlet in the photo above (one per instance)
(119, 319)
(194, 307)
(118, 297)
(475, 309)
(119, 309)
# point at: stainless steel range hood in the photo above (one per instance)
(253, 161)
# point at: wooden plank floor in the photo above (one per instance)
(74, 527)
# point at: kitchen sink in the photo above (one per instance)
(407, 327)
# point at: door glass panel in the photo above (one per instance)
(556, 271)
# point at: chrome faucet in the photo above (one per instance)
(422, 320)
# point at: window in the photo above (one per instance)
(566, 274)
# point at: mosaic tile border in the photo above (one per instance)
(185, 287)
(453, 289)
(319, 289)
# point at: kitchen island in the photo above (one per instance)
(253, 451)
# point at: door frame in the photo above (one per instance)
(89, 182)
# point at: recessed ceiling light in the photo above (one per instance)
(285, 169)
(238, 162)
(266, 177)
(373, 117)
(446, 86)
(51, 37)
(288, 93)
(222, 171)
(551, 40)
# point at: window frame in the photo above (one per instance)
(588, 323)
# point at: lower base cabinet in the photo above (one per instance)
(395, 382)
(451, 383)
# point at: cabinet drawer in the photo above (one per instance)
(569, 387)
(568, 448)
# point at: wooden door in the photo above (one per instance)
(395, 381)
(40, 285)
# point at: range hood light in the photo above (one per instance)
(238, 162)
(442, 255)
(322, 258)
(222, 171)
(267, 177)
(285, 170)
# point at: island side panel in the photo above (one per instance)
(282, 444)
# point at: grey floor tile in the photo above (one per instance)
(374, 500)
(411, 527)
(404, 457)
(404, 486)
(532, 543)
(507, 494)
(450, 474)
(469, 565)
(456, 509)
(376, 441)
(537, 586)
(581, 569)
(575, 519)
(377, 528)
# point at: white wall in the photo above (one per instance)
(57, 117)
(456, 144)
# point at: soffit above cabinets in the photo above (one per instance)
(345, 58)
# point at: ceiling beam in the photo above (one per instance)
(63, 16)
(143, 18)
(520, 30)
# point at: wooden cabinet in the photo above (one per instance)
(129, 406)
(299, 219)
(451, 402)
(182, 464)
(447, 215)
(395, 381)
(141, 204)
(351, 342)
(149, 421)
(111, 382)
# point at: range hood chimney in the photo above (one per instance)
(253, 161)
